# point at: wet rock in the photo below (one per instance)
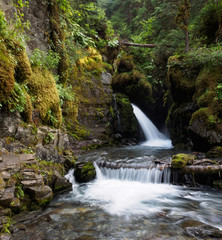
(203, 232)
(85, 172)
(123, 119)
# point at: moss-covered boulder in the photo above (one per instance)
(84, 172)
(43, 89)
(123, 119)
(129, 80)
(181, 81)
(181, 160)
(7, 64)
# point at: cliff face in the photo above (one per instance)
(195, 115)
(86, 113)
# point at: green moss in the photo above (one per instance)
(181, 160)
(125, 63)
(85, 172)
(206, 99)
(23, 70)
(43, 89)
(7, 79)
(207, 79)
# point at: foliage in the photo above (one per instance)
(49, 137)
(65, 93)
(17, 99)
(48, 60)
(219, 91)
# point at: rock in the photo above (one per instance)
(84, 172)
(2, 186)
(41, 194)
(181, 160)
(5, 236)
(203, 232)
(106, 78)
(8, 124)
(215, 152)
(61, 183)
(6, 175)
(48, 153)
(123, 119)
(5, 211)
(1, 159)
(26, 136)
(7, 197)
(218, 184)
(15, 205)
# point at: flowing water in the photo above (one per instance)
(131, 198)
(154, 138)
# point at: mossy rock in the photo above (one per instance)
(181, 85)
(125, 63)
(84, 172)
(7, 65)
(215, 152)
(207, 79)
(43, 89)
(124, 120)
(181, 160)
(206, 99)
(23, 70)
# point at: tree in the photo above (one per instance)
(182, 18)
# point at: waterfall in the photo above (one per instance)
(144, 175)
(154, 137)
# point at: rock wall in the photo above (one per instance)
(194, 119)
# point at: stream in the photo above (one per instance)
(131, 198)
(130, 207)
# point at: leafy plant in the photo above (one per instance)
(48, 60)
(65, 93)
(49, 137)
(17, 100)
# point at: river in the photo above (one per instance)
(131, 198)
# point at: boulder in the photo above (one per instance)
(181, 160)
(7, 197)
(84, 172)
(41, 194)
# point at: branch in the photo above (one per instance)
(144, 45)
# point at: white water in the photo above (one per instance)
(143, 175)
(139, 192)
(154, 138)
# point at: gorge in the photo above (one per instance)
(110, 119)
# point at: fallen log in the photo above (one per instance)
(148, 45)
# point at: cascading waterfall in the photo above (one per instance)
(150, 174)
(154, 138)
